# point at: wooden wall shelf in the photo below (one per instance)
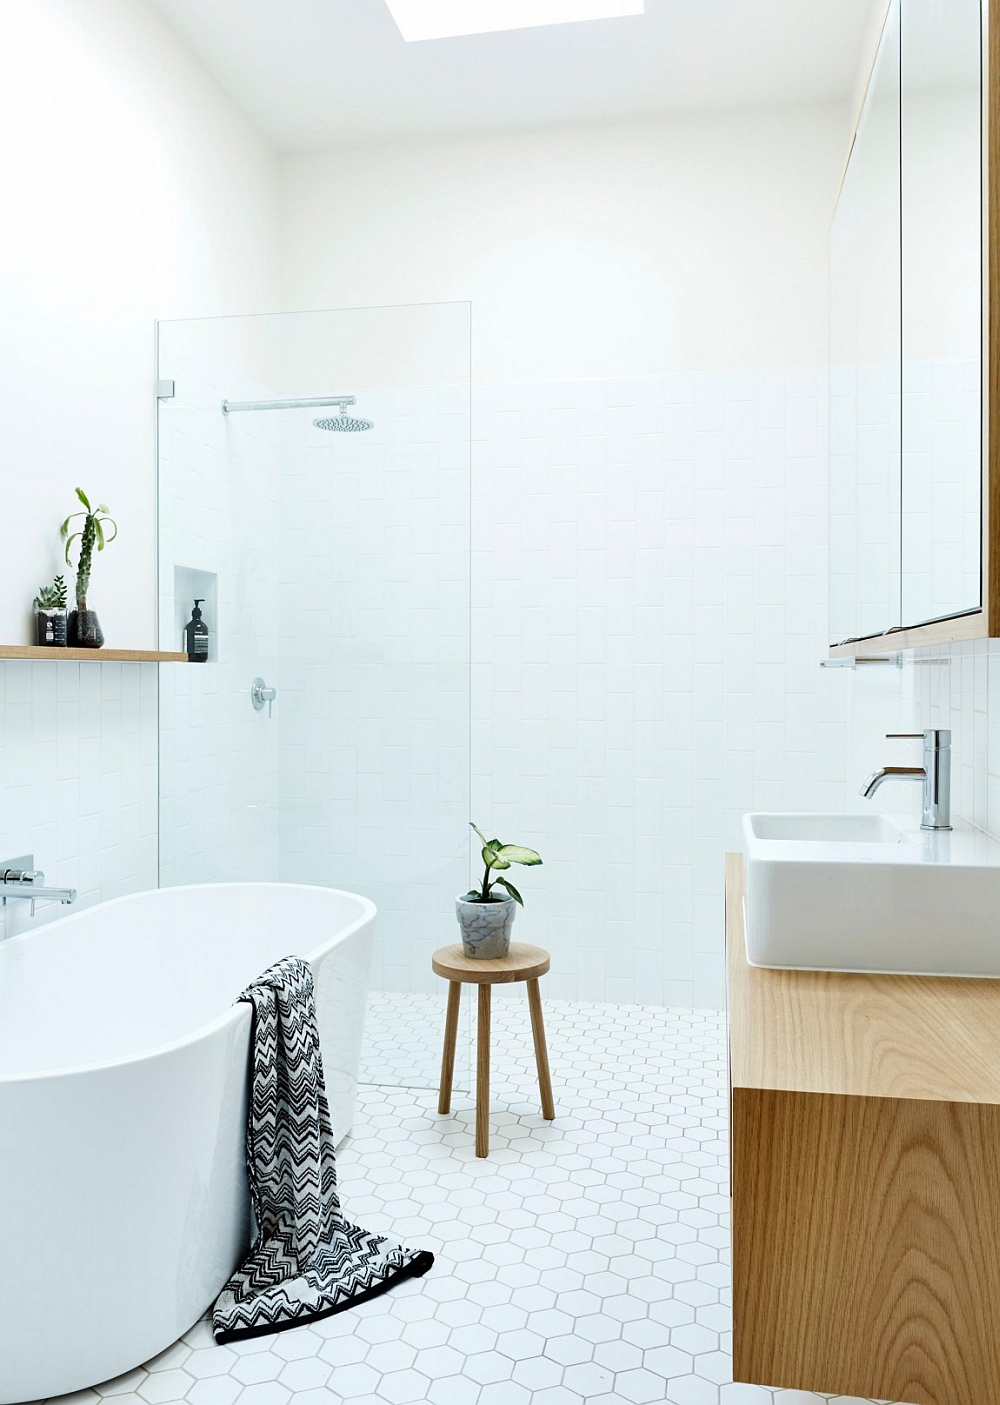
(55, 655)
(865, 1179)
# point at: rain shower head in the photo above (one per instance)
(344, 423)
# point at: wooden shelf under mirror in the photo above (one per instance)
(915, 479)
(979, 624)
(48, 654)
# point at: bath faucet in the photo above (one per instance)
(934, 775)
(20, 879)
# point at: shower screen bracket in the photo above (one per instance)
(165, 390)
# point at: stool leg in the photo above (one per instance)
(450, 1041)
(483, 1074)
(541, 1053)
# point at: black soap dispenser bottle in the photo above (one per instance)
(196, 636)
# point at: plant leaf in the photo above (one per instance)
(479, 832)
(493, 860)
(99, 533)
(65, 526)
(505, 883)
(115, 525)
(69, 543)
(83, 498)
(517, 854)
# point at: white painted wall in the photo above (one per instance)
(132, 190)
(628, 249)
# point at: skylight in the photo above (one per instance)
(446, 19)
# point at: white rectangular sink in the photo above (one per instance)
(871, 893)
(827, 829)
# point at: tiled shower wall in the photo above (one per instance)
(649, 613)
(374, 667)
(220, 818)
(954, 686)
(957, 686)
(78, 786)
(341, 568)
(649, 583)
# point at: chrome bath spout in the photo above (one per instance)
(36, 893)
(19, 879)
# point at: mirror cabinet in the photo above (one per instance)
(914, 310)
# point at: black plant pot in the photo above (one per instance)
(50, 628)
(84, 630)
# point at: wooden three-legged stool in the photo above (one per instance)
(524, 963)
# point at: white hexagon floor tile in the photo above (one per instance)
(584, 1263)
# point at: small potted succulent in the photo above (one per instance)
(84, 628)
(484, 915)
(50, 615)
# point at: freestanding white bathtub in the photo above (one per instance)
(123, 1097)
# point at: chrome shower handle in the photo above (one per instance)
(260, 694)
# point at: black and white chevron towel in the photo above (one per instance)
(308, 1261)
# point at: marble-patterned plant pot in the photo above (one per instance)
(485, 927)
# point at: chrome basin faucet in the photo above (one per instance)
(934, 775)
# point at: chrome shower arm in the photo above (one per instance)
(231, 406)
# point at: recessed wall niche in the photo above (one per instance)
(190, 584)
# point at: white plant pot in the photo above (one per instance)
(485, 927)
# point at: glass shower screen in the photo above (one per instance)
(314, 494)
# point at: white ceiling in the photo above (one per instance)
(314, 73)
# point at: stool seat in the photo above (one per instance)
(522, 963)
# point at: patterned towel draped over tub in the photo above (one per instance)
(308, 1260)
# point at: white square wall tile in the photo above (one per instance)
(660, 621)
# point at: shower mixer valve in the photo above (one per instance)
(260, 694)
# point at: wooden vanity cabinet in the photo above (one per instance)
(865, 1141)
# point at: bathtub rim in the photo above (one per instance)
(234, 1012)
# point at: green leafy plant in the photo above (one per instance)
(91, 534)
(500, 856)
(52, 597)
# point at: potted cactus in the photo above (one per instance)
(484, 915)
(84, 628)
(50, 614)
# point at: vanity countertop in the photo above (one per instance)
(892, 1036)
